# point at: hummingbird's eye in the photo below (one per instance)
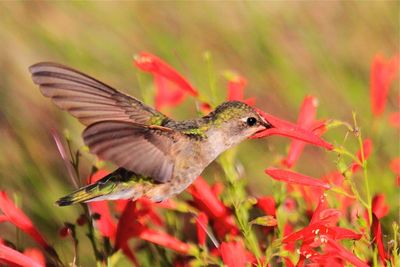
(251, 121)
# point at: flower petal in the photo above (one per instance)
(295, 178)
(233, 254)
(288, 129)
(395, 165)
(105, 223)
(12, 256)
(207, 201)
(267, 204)
(394, 119)
(377, 233)
(128, 225)
(151, 63)
(168, 94)
(201, 227)
(20, 220)
(343, 233)
(36, 255)
(383, 72)
(306, 119)
(346, 255)
(236, 85)
(165, 240)
(203, 194)
(379, 207)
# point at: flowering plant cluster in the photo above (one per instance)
(334, 220)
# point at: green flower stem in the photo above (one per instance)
(236, 195)
(364, 167)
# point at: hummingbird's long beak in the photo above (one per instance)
(265, 123)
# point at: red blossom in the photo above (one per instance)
(233, 254)
(383, 73)
(288, 129)
(379, 207)
(394, 119)
(322, 232)
(167, 93)
(151, 63)
(367, 148)
(216, 211)
(217, 188)
(341, 253)
(202, 192)
(287, 230)
(11, 256)
(236, 85)
(131, 224)
(395, 165)
(101, 211)
(201, 227)
(36, 255)
(376, 231)
(295, 178)
(165, 240)
(128, 227)
(306, 120)
(20, 220)
(103, 219)
(267, 204)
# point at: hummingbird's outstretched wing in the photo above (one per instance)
(88, 99)
(143, 149)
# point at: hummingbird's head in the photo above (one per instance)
(237, 121)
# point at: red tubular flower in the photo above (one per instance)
(383, 72)
(236, 85)
(379, 207)
(288, 129)
(201, 227)
(105, 223)
(287, 230)
(202, 192)
(167, 93)
(377, 233)
(13, 257)
(267, 204)
(151, 63)
(321, 231)
(233, 254)
(395, 165)
(394, 119)
(367, 148)
(339, 252)
(131, 225)
(165, 240)
(36, 255)
(128, 227)
(295, 178)
(306, 120)
(208, 202)
(20, 220)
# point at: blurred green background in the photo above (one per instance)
(286, 50)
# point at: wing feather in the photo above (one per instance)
(86, 98)
(143, 149)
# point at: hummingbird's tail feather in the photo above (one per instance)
(121, 184)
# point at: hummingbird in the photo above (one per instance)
(157, 157)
